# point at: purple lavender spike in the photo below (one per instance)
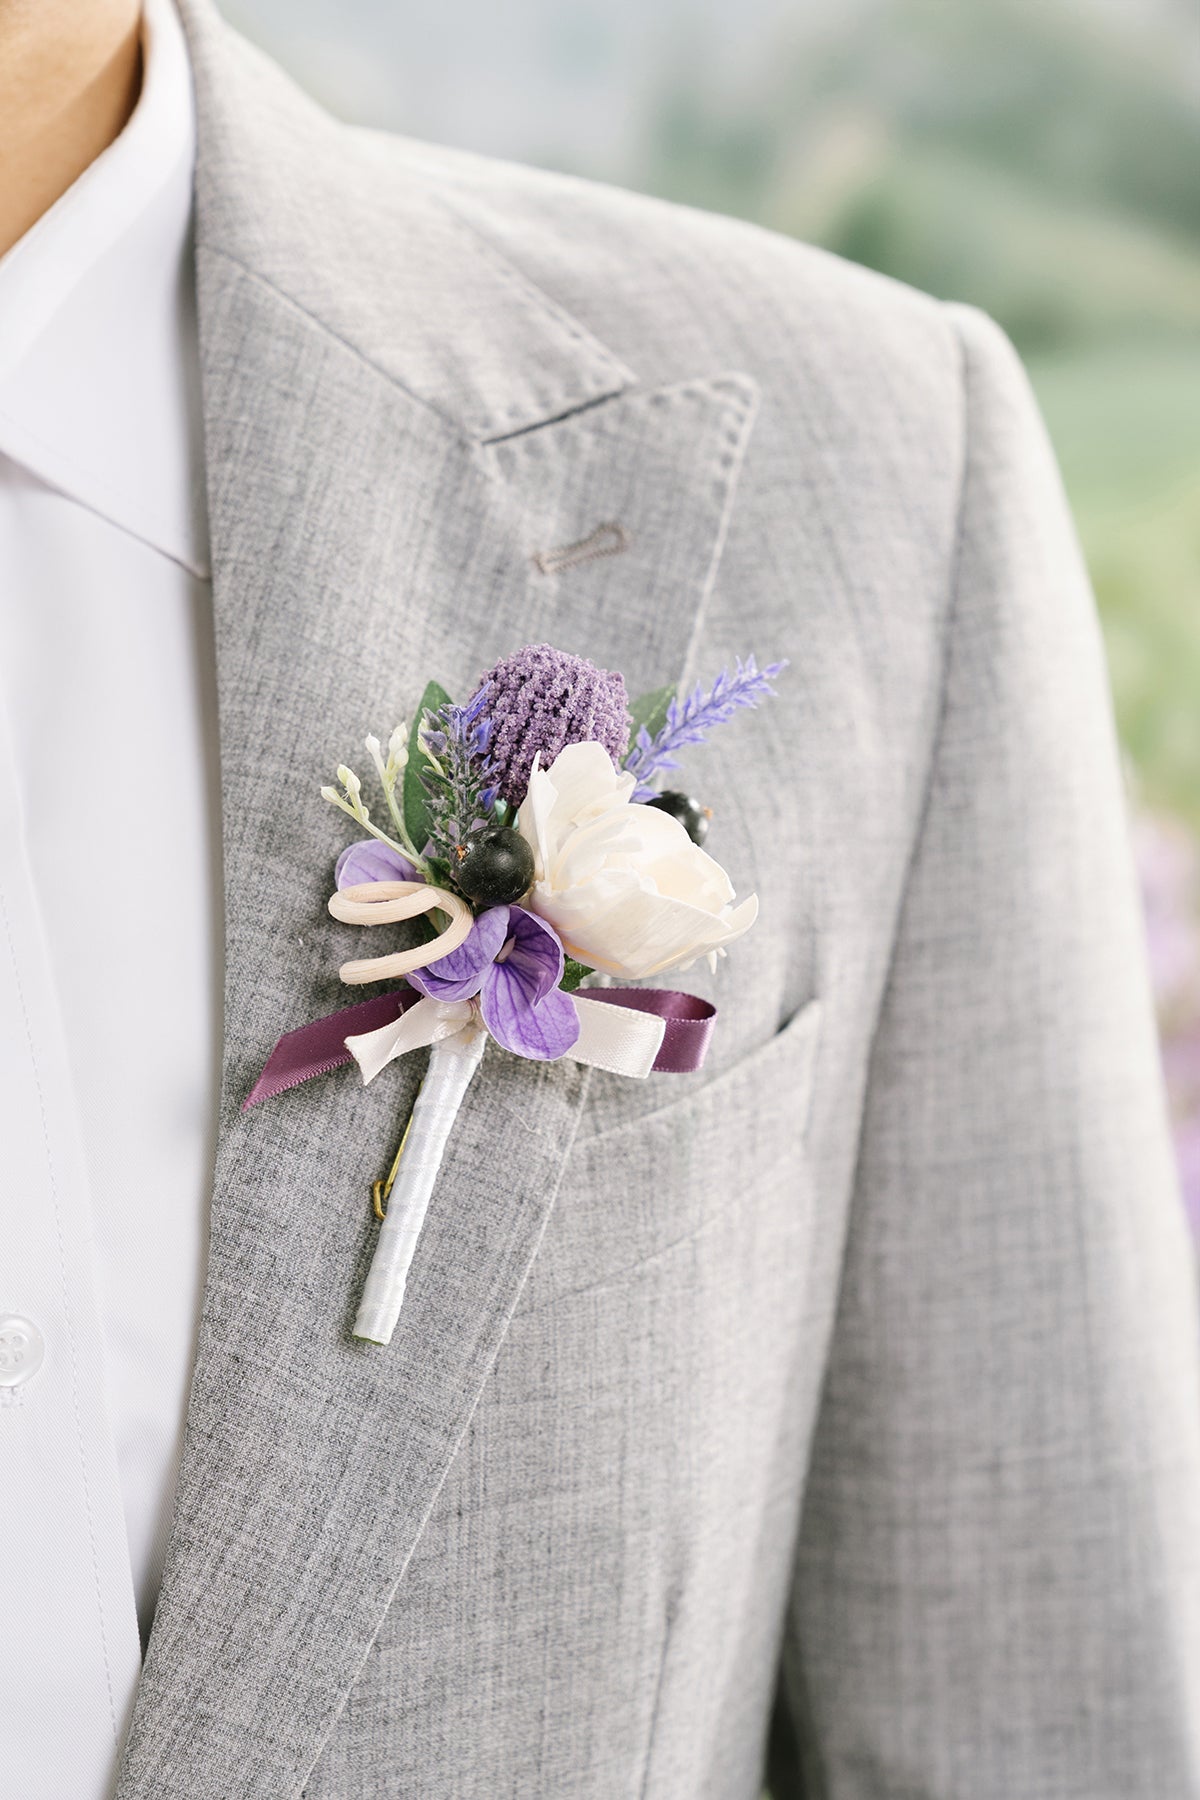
(690, 721)
(461, 792)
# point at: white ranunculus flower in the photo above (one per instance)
(623, 885)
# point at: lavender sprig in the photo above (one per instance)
(689, 721)
(459, 777)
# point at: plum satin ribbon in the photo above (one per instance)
(315, 1049)
(688, 1023)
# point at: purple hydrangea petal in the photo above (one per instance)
(520, 999)
(460, 975)
(544, 1029)
(535, 952)
(369, 860)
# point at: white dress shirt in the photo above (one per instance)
(109, 928)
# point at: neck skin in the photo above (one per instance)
(70, 71)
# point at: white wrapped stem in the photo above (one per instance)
(452, 1063)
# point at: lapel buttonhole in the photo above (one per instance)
(608, 539)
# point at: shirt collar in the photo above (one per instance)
(99, 381)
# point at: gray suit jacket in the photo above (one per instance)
(857, 1369)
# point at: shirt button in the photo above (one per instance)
(22, 1348)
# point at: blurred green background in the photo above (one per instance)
(1044, 163)
(1040, 160)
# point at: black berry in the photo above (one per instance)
(691, 815)
(494, 867)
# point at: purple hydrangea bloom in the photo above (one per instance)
(513, 961)
(542, 699)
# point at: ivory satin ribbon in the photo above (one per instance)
(630, 1031)
(610, 1037)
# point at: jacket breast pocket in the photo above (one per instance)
(635, 1190)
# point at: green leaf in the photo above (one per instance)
(650, 710)
(573, 974)
(416, 806)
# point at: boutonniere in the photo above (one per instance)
(527, 831)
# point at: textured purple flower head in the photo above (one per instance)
(541, 699)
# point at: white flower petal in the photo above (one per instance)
(622, 884)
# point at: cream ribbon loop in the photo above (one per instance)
(616, 1037)
(428, 1022)
(386, 902)
(610, 1037)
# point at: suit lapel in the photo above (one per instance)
(383, 494)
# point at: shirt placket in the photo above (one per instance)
(69, 1668)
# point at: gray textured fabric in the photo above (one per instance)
(860, 1365)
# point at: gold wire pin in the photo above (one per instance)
(381, 1189)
